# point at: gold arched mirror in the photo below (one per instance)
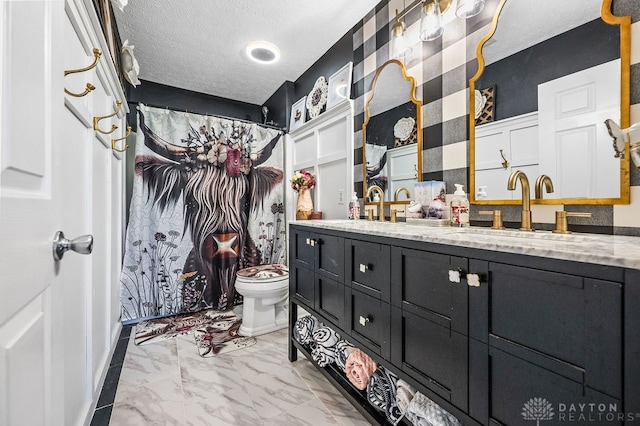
(538, 102)
(392, 133)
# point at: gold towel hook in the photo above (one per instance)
(113, 126)
(505, 163)
(113, 141)
(96, 54)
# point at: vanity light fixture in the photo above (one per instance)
(431, 26)
(262, 52)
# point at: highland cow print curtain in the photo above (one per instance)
(207, 201)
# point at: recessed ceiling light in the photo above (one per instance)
(262, 52)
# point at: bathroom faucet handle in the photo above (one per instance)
(394, 215)
(370, 214)
(561, 221)
(497, 218)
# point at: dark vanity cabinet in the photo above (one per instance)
(554, 333)
(429, 321)
(316, 274)
(482, 333)
(368, 295)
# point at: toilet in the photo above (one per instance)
(265, 289)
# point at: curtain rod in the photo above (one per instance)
(269, 126)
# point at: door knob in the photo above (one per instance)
(81, 245)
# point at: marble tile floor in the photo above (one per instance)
(168, 383)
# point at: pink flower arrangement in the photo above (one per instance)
(303, 179)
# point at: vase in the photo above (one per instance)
(304, 208)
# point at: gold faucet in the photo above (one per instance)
(546, 180)
(399, 190)
(526, 197)
(380, 203)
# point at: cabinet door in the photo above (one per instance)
(302, 249)
(329, 256)
(369, 268)
(562, 319)
(433, 283)
(368, 321)
(514, 388)
(329, 299)
(431, 353)
(301, 285)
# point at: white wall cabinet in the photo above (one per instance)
(324, 146)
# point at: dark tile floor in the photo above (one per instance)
(105, 403)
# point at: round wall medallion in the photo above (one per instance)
(317, 97)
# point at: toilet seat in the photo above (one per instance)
(263, 273)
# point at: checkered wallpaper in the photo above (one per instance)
(442, 69)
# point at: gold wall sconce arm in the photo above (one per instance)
(97, 53)
(113, 141)
(96, 127)
(505, 163)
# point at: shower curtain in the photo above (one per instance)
(207, 201)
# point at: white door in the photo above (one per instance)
(30, 93)
(49, 360)
(575, 147)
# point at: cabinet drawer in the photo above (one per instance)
(574, 319)
(369, 319)
(432, 354)
(514, 382)
(301, 284)
(422, 279)
(370, 268)
(330, 299)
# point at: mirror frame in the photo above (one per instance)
(624, 22)
(417, 103)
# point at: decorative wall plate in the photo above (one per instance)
(317, 98)
(488, 110)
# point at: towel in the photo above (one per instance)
(424, 412)
(343, 350)
(404, 395)
(381, 393)
(358, 368)
(324, 350)
(303, 329)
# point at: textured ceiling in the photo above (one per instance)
(198, 44)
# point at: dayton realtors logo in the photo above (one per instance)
(537, 409)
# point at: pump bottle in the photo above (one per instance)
(459, 207)
(354, 207)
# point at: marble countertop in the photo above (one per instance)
(612, 250)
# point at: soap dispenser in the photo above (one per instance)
(459, 207)
(354, 207)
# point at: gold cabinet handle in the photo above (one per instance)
(113, 141)
(96, 120)
(96, 57)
